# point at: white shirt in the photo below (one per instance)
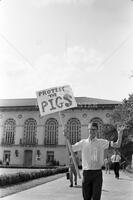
(92, 152)
(115, 158)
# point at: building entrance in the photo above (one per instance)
(6, 158)
(28, 158)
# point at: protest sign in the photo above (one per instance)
(55, 99)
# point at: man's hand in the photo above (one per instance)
(120, 129)
(120, 133)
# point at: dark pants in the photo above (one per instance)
(92, 184)
(73, 173)
(116, 169)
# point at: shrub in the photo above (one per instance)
(11, 179)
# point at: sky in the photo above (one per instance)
(87, 44)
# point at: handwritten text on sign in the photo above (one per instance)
(55, 99)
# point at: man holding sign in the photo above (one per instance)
(92, 150)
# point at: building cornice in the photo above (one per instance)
(79, 106)
(32, 105)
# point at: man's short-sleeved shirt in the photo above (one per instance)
(115, 158)
(92, 152)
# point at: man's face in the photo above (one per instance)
(92, 131)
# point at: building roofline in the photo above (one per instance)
(31, 103)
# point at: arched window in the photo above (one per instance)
(30, 129)
(9, 131)
(74, 130)
(51, 132)
(99, 122)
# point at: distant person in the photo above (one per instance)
(7, 161)
(72, 170)
(116, 163)
(92, 150)
(107, 164)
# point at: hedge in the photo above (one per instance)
(20, 177)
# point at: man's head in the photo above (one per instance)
(92, 128)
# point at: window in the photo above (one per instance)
(50, 156)
(16, 153)
(30, 129)
(51, 132)
(74, 130)
(38, 155)
(9, 131)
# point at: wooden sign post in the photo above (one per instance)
(70, 148)
(55, 100)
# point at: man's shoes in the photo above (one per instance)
(71, 185)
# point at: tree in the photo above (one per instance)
(123, 115)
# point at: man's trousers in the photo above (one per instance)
(92, 184)
(116, 169)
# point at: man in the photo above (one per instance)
(107, 164)
(116, 165)
(7, 161)
(92, 150)
(72, 170)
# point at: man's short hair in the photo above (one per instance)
(95, 125)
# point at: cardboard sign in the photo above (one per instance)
(55, 99)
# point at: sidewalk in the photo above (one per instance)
(113, 189)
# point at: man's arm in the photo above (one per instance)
(77, 146)
(117, 144)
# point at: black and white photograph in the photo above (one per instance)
(66, 99)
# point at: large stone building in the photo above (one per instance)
(28, 139)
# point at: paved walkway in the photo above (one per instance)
(113, 189)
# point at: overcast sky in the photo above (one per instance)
(87, 44)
